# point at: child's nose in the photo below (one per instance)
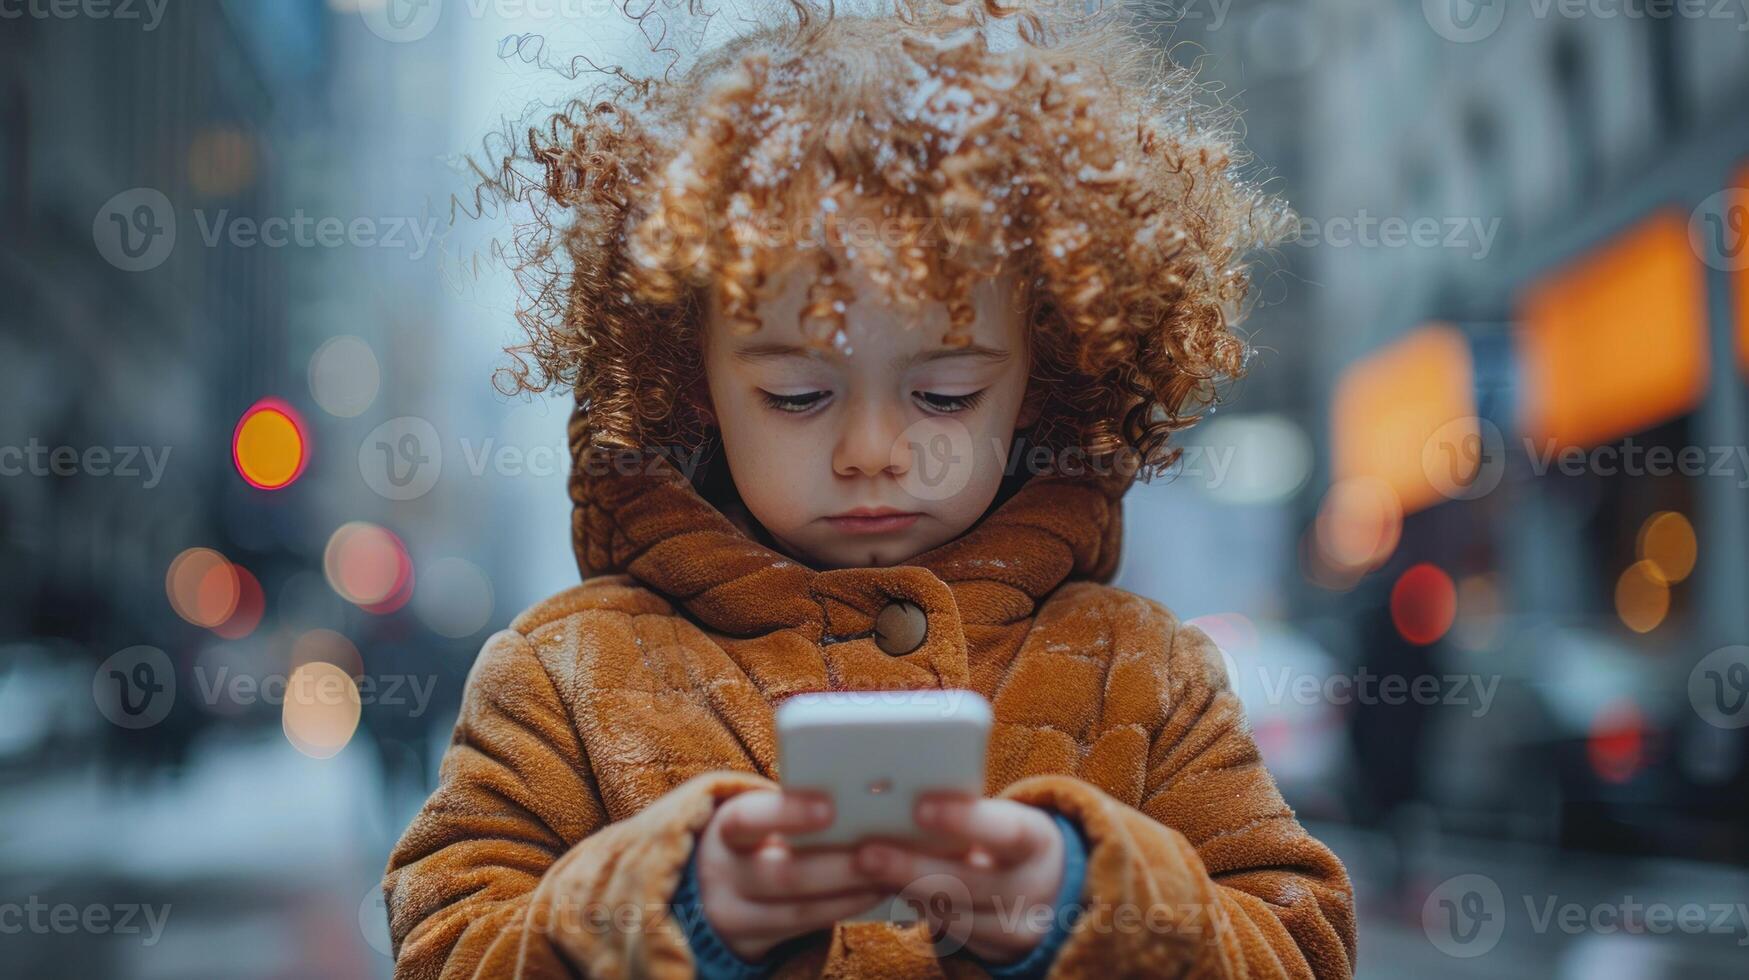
(869, 442)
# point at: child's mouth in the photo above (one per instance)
(877, 523)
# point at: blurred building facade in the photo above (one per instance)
(1562, 160)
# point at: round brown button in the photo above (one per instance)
(900, 627)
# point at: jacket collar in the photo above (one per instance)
(637, 514)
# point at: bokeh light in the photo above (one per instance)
(269, 446)
(1359, 523)
(203, 587)
(1271, 458)
(1666, 539)
(368, 566)
(321, 709)
(344, 376)
(1423, 603)
(1616, 742)
(1642, 597)
(251, 605)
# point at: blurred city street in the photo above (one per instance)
(1472, 534)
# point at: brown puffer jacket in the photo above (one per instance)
(600, 729)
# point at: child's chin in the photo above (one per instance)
(866, 553)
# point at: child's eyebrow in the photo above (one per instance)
(754, 352)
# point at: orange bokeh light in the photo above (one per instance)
(1642, 597)
(203, 587)
(251, 605)
(1741, 280)
(269, 446)
(1667, 540)
(1391, 407)
(1616, 341)
(1359, 523)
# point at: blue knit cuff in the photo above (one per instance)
(1068, 908)
(713, 959)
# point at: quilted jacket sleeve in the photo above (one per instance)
(1212, 876)
(513, 867)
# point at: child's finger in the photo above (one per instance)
(900, 868)
(747, 819)
(776, 874)
(1009, 832)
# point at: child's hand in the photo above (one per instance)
(756, 897)
(1009, 859)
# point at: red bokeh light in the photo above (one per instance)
(1423, 603)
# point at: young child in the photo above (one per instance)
(887, 456)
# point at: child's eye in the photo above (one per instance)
(792, 403)
(951, 403)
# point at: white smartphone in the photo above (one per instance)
(873, 752)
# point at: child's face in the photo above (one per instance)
(890, 420)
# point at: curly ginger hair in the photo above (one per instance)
(1076, 152)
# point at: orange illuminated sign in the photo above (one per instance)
(1395, 409)
(1616, 341)
(1736, 225)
